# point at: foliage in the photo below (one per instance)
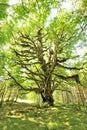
(40, 50)
(3, 6)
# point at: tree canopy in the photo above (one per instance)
(43, 44)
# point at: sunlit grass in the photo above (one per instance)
(21, 116)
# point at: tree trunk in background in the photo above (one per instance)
(81, 95)
(2, 94)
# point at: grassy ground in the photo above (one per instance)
(27, 117)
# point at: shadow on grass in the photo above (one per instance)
(25, 117)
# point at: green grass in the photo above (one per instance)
(26, 117)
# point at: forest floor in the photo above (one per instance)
(22, 116)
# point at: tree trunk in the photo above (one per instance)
(47, 93)
(47, 98)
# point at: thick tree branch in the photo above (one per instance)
(37, 90)
(75, 76)
(10, 75)
(70, 68)
(63, 90)
(4, 4)
(65, 59)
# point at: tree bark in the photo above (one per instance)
(47, 98)
(47, 94)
